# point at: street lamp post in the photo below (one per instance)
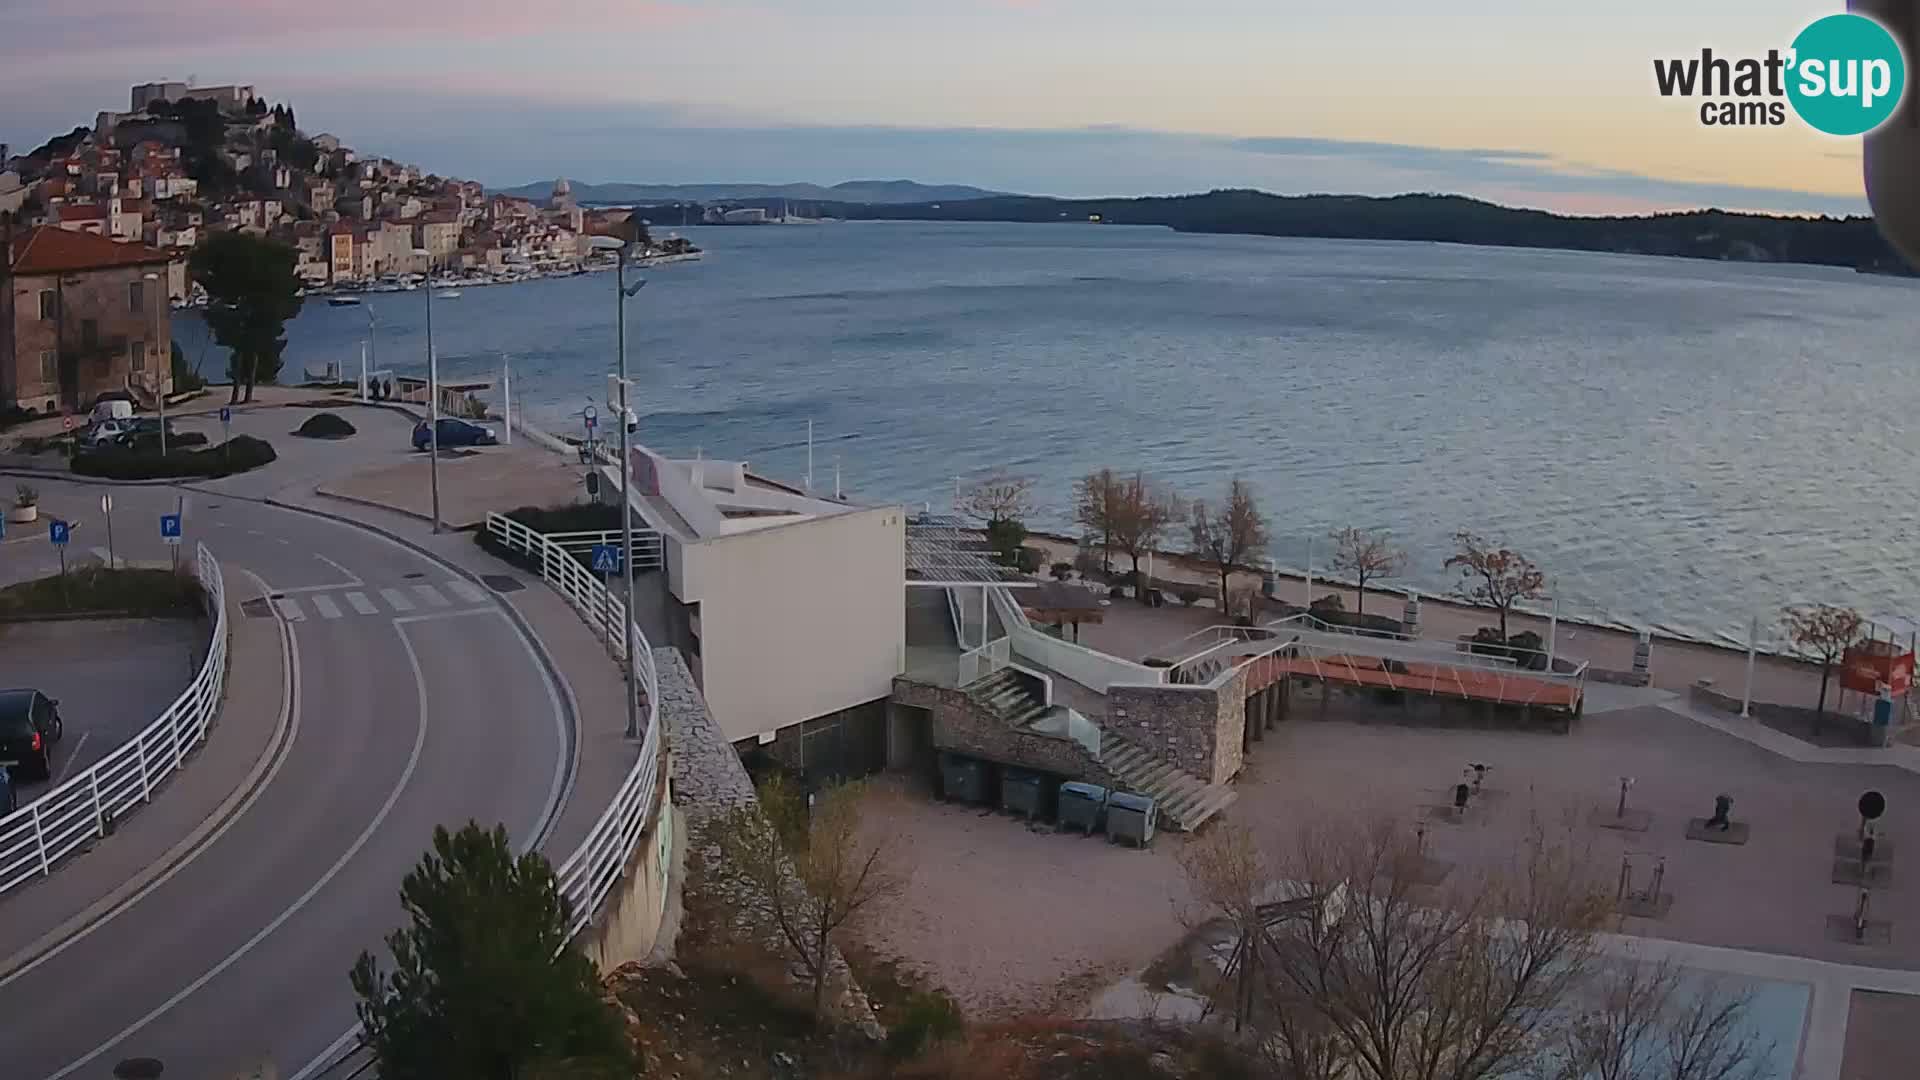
(621, 295)
(433, 402)
(163, 378)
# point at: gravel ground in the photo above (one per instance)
(1015, 921)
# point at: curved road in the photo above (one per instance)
(415, 702)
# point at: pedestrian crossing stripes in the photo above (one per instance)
(396, 601)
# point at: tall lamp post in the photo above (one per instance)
(621, 295)
(163, 381)
(433, 395)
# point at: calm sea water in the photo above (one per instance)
(1679, 444)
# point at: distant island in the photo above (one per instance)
(865, 192)
(1702, 234)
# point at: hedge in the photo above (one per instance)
(325, 425)
(94, 588)
(237, 455)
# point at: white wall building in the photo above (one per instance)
(790, 607)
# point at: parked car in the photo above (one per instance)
(453, 433)
(105, 432)
(9, 798)
(29, 726)
(143, 433)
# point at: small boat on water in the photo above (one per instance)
(343, 301)
(448, 294)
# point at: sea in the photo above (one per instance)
(1682, 446)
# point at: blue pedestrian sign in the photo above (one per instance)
(606, 559)
(58, 531)
(170, 528)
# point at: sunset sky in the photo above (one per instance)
(1528, 102)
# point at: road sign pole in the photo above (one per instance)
(106, 510)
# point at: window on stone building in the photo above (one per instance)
(49, 304)
(49, 366)
(137, 296)
(136, 356)
(89, 333)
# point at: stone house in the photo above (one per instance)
(81, 314)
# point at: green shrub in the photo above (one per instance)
(929, 1017)
(1189, 595)
(1029, 560)
(325, 425)
(1062, 571)
(148, 442)
(96, 588)
(237, 455)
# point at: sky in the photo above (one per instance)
(1539, 103)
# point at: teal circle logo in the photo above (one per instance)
(1847, 75)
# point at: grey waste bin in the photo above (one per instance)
(1021, 792)
(1082, 806)
(963, 778)
(1131, 817)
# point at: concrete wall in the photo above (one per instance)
(629, 924)
(797, 621)
(1091, 669)
(1201, 729)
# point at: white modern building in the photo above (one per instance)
(789, 606)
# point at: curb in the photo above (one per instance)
(176, 855)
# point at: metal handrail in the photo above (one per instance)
(649, 553)
(82, 808)
(594, 868)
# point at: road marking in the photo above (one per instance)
(290, 609)
(71, 758)
(439, 616)
(432, 596)
(467, 590)
(289, 727)
(234, 957)
(396, 599)
(360, 603)
(327, 608)
(352, 578)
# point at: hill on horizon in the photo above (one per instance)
(871, 192)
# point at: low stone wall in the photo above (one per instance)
(961, 724)
(1704, 695)
(1620, 678)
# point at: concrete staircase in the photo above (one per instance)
(1186, 801)
(1010, 696)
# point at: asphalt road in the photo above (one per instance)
(101, 705)
(416, 703)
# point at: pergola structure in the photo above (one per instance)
(943, 553)
(1061, 604)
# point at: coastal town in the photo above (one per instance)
(183, 162)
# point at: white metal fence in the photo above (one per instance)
(594, 868)
(82, 808)
(648, 554)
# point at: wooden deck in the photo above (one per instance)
(1439, 680)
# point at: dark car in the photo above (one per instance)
(29, 726)
(453, 433)
(143, 433)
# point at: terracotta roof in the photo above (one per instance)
(84, 212)
(50, 250)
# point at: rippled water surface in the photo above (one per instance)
(1680, 444)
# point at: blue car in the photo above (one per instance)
(453, 433)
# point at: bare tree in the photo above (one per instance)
(1494, 577)
(1413, 982)
(998, 497)
(1366, 556)
(1230, 536)
(1141, 513)
(1826, 631)
(1649, 1021)
(1095, 498)
(807, 875)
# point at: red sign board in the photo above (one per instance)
(1869, 665)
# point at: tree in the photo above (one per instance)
(484, 983)
(1494, 577)
(1140, 514)
(808, 875)
(252, 290)
(1649, 1021)
(1366, 556)
(1095, 498)
(1230, 536)
(1002, 503)
(1825, 631)
(1360, 970)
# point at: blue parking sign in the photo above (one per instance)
(170, 528)
(606, 559)
(226, 415)
(58, 531)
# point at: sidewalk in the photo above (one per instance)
(185, 809)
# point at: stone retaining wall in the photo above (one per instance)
(1201, 729)
(959, 723)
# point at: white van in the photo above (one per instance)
(111, 409)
